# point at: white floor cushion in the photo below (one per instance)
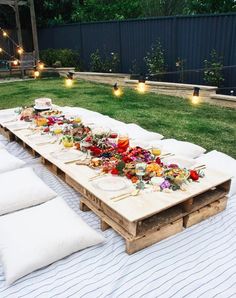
(22, 188)
(221, 162)
(36, 237)
(8, 162)
(181, 148)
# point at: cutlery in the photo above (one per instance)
(72, 161)
(18, 129)
(124, 196)
(201, 167)
(166, 155)
(84, 162)
(97, 176)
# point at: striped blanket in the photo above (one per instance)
(199, 262)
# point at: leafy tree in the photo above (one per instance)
(152, 8)
(98, 10)
(50, 12)
(211, 6)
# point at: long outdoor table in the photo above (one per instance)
(144, 219)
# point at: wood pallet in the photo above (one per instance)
(153, 229)
(148, 230)
(7, 133)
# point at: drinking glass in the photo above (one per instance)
(156, 150)
(140, 170)
(123, 142)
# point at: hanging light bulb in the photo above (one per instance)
(36, 72)
(1, 50)
(116, 90)
(40, 65)
(69, 79)
(195, 97)
(15, 62)
(20, 50)
(141, 84)
(4, 33)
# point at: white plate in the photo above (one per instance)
(41, 138)
(111, 183)
(67, 155)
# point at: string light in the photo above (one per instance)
(1, 50)
(195, 97)
(141, 84)
(20, 50)
(36, 72)
(116, 90)
(15, 62)
(40, 65)
(69, 79)
(4, 33)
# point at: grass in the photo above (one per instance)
(212, 127)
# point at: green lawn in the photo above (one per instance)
(210, 126)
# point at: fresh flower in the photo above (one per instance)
(114, 171)
(194, 175)
(165, 184)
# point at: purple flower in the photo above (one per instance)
(165, 184)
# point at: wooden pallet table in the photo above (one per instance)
(147, 218)
(7, 133)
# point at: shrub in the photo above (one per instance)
(213, 69)
(108, 64)
(96, 63)
(180, 65)
(155, 60)
(64, 57)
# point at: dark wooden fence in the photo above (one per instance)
(190, 38)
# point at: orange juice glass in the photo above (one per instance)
(156, 151)
(123, 142)
(41, 121)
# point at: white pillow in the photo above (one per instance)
(1, 146)
(181, 148)
(9, 162)
(223, 163)
(22, 188)
(36, 237)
